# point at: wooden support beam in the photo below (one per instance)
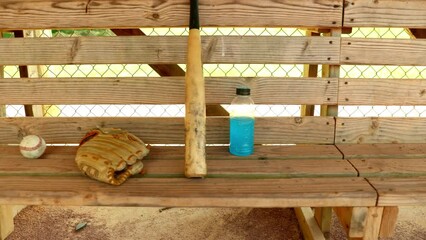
(309, 70)
(328, 71)
(361, 222)
(29, 72)
(6, 221)
(170, 70)
(389, 219)
(416, 32)
(323, 218)
(2, 107)
(308, 224)
(7, 213)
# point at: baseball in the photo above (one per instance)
(32, 146)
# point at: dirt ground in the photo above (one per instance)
(45, 223)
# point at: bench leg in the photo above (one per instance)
(7, 213)
(389, 219)
(323, 218)
(308, 224)
(361, 222)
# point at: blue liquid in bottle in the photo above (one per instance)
(241, 136)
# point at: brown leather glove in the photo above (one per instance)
(110, 155)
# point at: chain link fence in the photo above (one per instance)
(218, 70)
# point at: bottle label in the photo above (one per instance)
(241, 136)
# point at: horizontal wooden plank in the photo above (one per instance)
(169, 130)
(360, 151)
(168, 50)
(400, 191)
(405, 92)
(385, 13)
(181, 192)
(51, 14)
(59, 161)
(380, 130)
(152, 90)
(262, 152)
(388, 167)
(384, 51)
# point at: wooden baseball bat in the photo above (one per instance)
(195, 103)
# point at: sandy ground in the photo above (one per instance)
(44, 223)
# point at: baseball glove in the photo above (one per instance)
(110, 155)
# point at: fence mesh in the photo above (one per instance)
(219, 70)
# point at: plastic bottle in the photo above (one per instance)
(242, 123)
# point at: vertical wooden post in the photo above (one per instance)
(389, 219)
(309, 71)
(2, 107)
(6, 212)
(308, 225)
(332, 71)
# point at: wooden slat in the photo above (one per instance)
(353, 151)
(60, 161)
(380, 130)
(384, 51)
(261, 152)
(293, 192)
(390, 167)
(22, 14)
(400, 191)
(401, 92)
(169, 130)
(283, 152)
(385, 13)
(165, 50)
(152, 90)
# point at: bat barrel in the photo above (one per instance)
(195, 105)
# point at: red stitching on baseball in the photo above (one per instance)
(40, 141)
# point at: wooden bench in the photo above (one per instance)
(363, 168)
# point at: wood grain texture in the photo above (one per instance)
(380, 130)
(60, 161)
(168, 50)
(373, 223)
(400, 191)
(389, 220)
(6, 220)
(283, 152)
(195, 108)
(356, 151)
(151, 90)
(51, 14)
(353, 220)
(181, 192)
(400, 92)
(382, 167)
(384, 51)
(308, 224)
(385, 13)
(308, 130)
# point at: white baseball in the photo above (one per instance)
(32, 146)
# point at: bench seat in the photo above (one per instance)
(396, 171)
(275, 176)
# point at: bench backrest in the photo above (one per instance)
(330, 50)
